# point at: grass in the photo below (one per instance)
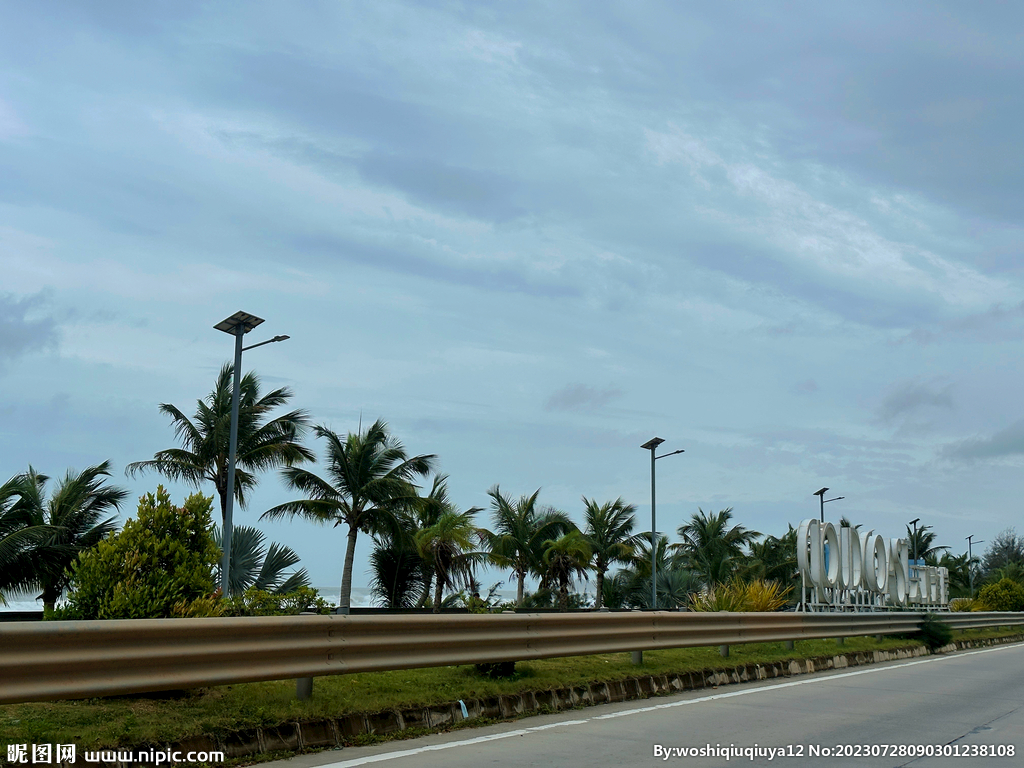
(130, 721)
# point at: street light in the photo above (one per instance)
(970, 560)
(824, 501)
(652, 445)
(237, 325)
(914, 523)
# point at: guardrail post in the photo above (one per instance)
(724, 650)
(790, 645)
(637, 656)
(304, 685)
(840, 641)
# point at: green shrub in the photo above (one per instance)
(1004, 595)
(497, 670)
(934, 633)
(160, 565)
(257, 602)
(961, 604)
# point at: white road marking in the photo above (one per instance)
(640, 710)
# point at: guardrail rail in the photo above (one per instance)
(81, 659)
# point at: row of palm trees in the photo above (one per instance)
(424, 545)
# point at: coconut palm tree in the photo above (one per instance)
(773, 559)
(20, 535)
(447, 547)
(564, 559)
(520, 530)
(264, 443)
(711, 547)
(257, 565)
(923, 543)
(75, 516)
(609, 530)
(369, 483)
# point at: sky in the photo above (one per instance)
(531, 236)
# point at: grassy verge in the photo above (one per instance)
(129, 721)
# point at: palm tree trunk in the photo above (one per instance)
(599, 598)
(519, 589)
(49, 599)
(222, 485)
(437, 594)
(563, 595)
(427, 588)
(345, 599)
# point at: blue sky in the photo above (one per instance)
(532, 236)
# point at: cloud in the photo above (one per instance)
(580, 397)
(997, 323)
(1005, 442)
(21, 329)
(912, 396)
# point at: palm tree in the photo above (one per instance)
(959, 567)
(397, 572)
(637, 577)
(675, 585)
(610, 534)
(255, 565)
(74, 514)
(520, 531)
(19, 534)
(711, 547)
(923, 542)
(447, 549)
(262, 444)
(370, 482)
(564, 558)
(773, 559)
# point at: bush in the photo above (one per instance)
(497, 670)
(1004, 595)
(737, 596)
(960, 604)
(934, 633)
(257, 602)
(159, 566)
(721, 597)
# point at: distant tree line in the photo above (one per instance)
(60, 539)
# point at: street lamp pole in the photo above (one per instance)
(652, 445)
(914, 523)
(821, 495)
(237, 325)
(970, 560)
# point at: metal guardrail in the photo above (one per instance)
(79, 659)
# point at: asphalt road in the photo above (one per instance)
(960, 702)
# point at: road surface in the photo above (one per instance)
(959, 703)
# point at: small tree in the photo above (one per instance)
(160, 565)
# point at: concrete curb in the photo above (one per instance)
(339, 732)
